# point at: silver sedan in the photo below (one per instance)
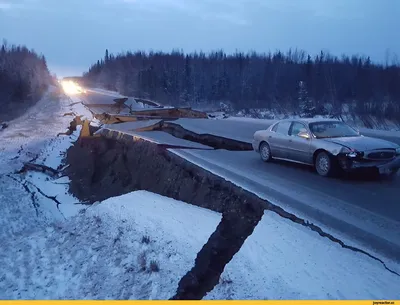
(328, 145)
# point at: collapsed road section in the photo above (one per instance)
(127, 115)
(115, 167)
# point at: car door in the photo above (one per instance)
(278, 139)
(299, 148)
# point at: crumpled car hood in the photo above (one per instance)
(362, 143)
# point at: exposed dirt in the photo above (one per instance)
(101, 168)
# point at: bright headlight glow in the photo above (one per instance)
(71, 88)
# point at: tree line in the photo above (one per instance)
(292, 83)
(24, 77)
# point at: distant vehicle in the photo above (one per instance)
(328, 145)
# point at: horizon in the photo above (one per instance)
(392, 59)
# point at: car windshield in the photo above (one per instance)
(332, 130)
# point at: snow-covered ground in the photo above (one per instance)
(139, 245)
(53, 247)
(368, 123)
(282, 260)
(393, 133)
(127, 247)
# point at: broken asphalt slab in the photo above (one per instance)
(159, 138)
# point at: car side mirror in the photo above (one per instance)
(304, 135)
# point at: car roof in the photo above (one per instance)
(309, 120)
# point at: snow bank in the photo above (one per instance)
(27, 136)
(282, 260)
(106, 251)
(53, 247)
(380, 133)
(380, 128)
(33, 138)
(367, 131)
(252, 120)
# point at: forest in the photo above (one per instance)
(292, 83)
(24, 77)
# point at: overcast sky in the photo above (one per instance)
(75, 33)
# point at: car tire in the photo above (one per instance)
(325, 165)
(265, 152)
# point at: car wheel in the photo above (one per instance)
(265, 152)
(324, 164)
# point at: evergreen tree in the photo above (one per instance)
(106, 56)
(253, 80)
(306, 105)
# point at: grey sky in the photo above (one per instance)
(73, 34)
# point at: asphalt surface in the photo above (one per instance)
(365, 210)
(244, 130)
(95, 97)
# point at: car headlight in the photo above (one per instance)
(352, 153)
(346, 150)
(398, 151)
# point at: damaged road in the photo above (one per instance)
(113, 167)
(217, 142)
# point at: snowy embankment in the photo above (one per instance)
(282, 260)
(392, 133)
(139, 245)
(368, 122)
(54, 247)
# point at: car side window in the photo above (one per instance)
(296, 128)
(274, 127)
(283, 128)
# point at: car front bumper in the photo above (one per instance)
(352, 164)
(255, 144)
